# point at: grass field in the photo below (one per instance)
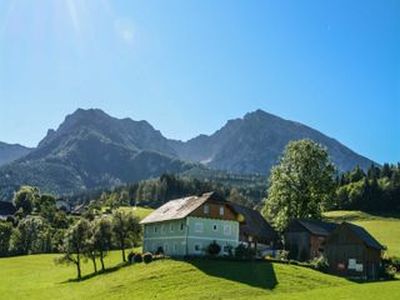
(37, 277)
(385, 229)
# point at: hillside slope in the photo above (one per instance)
(9, 153)
(38, 278)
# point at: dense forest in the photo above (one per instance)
(377, 190)
(243, 189)
(374, 190)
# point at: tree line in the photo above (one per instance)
(376, 190)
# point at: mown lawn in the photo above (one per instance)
(36, 277)
(386, 229)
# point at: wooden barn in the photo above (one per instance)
(352, 252)
(305, 238)
(254, 230)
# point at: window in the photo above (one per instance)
(198, 227)
(197, 248)
(221, 210)
(171, 227)
(165, 248)
(175, 248)
(228, 249)
(227, 229)
(182, 226)
(155, 228)
(215, 227)
(206, 209)
(163, 228)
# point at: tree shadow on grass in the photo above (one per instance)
(259, 274)
(91, 275)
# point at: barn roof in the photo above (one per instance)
(177, 209)
(317, 227)
(254, 224)
(365, 236)
(6, 208)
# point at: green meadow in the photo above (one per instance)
(37, 277)
(386, 229)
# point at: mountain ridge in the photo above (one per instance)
(92, 149)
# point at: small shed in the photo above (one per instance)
(353, 252)
(305, 238)
(254, 230)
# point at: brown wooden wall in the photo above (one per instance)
(343, 245)
(214, 206)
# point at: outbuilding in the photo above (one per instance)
(305, 238)
(353, 252)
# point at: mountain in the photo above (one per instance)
(9, 153)
(253, 144)
(91, 149)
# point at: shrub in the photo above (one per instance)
(138, 258)
(160, 251)
(214, 248)
(320, 264)
(131, 256)
(244, 252)
(147, 258)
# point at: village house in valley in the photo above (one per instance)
(189, 225)
(305, 238)
(352, 252)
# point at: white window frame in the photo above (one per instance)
(227, 229)
(198, 227)
(215, 227)
(206, 209)
(221, 210)
(195, 246)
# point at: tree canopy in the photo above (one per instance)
(302, 185)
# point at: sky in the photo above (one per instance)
(189, 66)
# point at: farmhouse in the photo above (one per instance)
(6, 209)
(352, 252)
(254, 230)
(305, 239)
(189, 225)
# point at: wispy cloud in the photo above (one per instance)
(124, 29)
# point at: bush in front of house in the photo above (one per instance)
(160, 251)
(320, 263)
(213, 249)
(147, 257)
(244, 252)
(138, 258)
(131, 255)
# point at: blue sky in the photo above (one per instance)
(188, 66)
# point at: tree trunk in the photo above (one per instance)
(102, 261)
(78, 267)
(94, 263)
(123, 254)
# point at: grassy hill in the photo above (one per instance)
(386, 229)
(36, 277)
